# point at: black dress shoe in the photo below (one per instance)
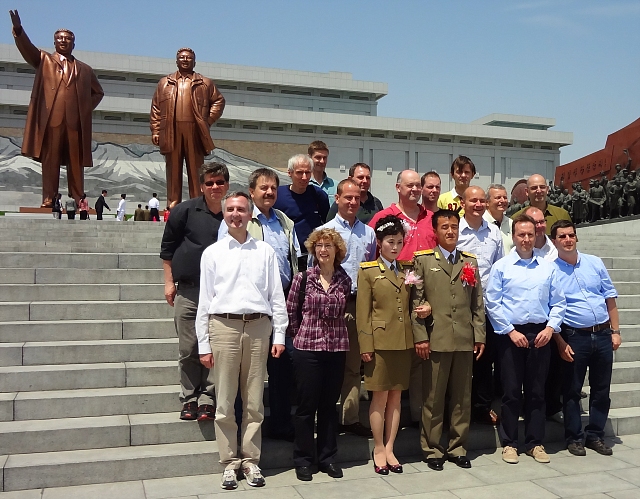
(303, 473)
(460, 461)
(189, 411)
(333, 470)
(436, 463)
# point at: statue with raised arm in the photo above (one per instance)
(58, 129)
(183, 108)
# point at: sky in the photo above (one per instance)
(577, 61)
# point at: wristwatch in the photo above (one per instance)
(615, 331)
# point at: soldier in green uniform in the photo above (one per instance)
(448, 339)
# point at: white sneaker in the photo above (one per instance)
(229, 480)
(253, 475)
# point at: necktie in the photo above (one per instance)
(65, 70)
(393, 269)
(451, 258)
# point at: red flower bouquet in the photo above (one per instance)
(468, 276)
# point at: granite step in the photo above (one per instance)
(80, 261)
(81, 292)
(93, 310)
(629, 351)
(625, 301)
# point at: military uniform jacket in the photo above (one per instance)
(457, 319)
(382, 308)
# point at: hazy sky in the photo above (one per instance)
(575, 61)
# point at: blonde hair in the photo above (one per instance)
(333, 236)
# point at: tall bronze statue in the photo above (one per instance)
(183, 108)
(58, 129)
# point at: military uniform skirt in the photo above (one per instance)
(389, 370)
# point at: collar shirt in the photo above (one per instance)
(548, 251)
(485, 243)
(366, 211)
(154, 203)
(451, 201)
(328, 185)
(361, 246)
(446, 254)
(184, 108)
(524, 292)
(275, 237)
(586, 286)
(418, 234)
(389, 264)
(505, 229)
(240, 278)
(551, 215)
(122, 205)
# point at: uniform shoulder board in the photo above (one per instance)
(405, 263)
(423, 252)
(368, 265)
(470, 255)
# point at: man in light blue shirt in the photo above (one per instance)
(360, 240)
(526, 307)
(590, 334)
(319, 153)
(484, 240)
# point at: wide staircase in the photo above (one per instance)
(88, 371)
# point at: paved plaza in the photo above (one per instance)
(590, 477)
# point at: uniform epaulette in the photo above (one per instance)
(470, 255)
(405, 263)
(368, 265)
(423, 252)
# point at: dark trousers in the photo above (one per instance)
(523, 368)
(280, 372)
(318, 378)
(61, 145)
(71, 215)
(553, 386)
(595, 351)
(482, 392)
(98, 215)
(186, 148)
(84, 215)
(154, 215)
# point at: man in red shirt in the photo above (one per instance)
(419, 233)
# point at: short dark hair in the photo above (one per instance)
(443, 214)
(432, 173)
(352, 170)
(139, 206)
(263, 172)
(214, 168)
(123, 196)
(389, 226)
(185, 49)
(154, 194)
(460, 162)
(561, 224)
(344, 182)
(65, 30)
(520, 219)
(317, 145)
(104, 191)
(69, 195)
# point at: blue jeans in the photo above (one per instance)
(595, 351)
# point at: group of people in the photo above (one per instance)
(70, 207)
(151, 211)
(280, 282)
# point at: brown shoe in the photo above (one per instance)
(539, 454)
(189, 411)
(510, 455)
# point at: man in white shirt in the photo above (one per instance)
(497, 204)
(122, 208)
(241, 301)
(154, 206)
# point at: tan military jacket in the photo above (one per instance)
(457, 319)
(382, 308)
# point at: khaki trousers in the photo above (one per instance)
(240, 351)
(350, 392)
(446, 372)
(186, 147)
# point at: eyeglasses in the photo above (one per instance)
(323, 246)
(211, 183)
(564, 236)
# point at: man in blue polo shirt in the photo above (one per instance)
(590, 333)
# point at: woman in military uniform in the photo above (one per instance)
(386, 338)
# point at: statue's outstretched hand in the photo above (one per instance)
(15, 19)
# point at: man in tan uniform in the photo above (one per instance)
(183, 108)
(447, 339)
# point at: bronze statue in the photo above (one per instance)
(183, 108)
(597, 198)
(579, 200)
(630, 192)
(58, 130)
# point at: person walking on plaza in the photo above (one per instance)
(385, 337)
(526, 306)
(462, 171)
(83, 206)
(241, 302)
(479, 237)
(122, 208)
(590, 334)
(319, 153)
(70, 207)
(193, 226)
(101, 204)
(56, 206)
(154, 208)
(145, 213)
(316, 307)
(361, 247)
(449, 283)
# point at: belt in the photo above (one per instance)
(186, 283)
(593, 329)
(242, 317)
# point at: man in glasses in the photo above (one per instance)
(589, 335)
(537, 190)
(542, 245)
(192, 227)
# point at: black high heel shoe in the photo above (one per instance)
(395, 468)
(380, 470)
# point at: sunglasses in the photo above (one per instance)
(211, 183)
(564, 236)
